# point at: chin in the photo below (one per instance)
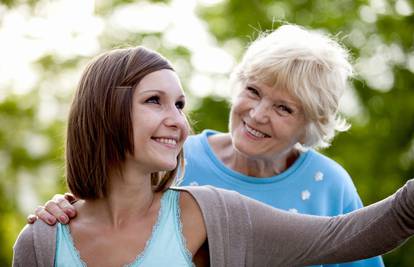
(168, 166)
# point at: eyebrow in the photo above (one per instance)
(291, 103)
(153, 91)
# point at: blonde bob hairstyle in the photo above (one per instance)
(310, 66)
(99, 132)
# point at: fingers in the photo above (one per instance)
(57, 209)
(45, 216)
(31, 218)
(53, 209)
(64, 202)
(70, 197)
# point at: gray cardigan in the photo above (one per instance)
(245, 232)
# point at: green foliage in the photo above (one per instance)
(211, 113)
(12, 3)
(19, 159)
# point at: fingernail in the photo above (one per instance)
(71, 212)
(51, 221)
(63, 219)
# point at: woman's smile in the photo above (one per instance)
(253, 133)
(169, 142)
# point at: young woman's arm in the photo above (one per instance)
(245, 232)
(288, 239)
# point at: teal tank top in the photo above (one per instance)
(166, 246)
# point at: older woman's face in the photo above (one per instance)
(265, 122)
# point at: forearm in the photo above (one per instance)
(294, 240)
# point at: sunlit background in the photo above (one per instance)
(44, 46)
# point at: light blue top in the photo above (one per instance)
(166, 246)
(314, 184)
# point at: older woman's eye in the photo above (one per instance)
(153, 100)
(285, 109)
(252, 90)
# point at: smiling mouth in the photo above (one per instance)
(255, 132)
(171, 142)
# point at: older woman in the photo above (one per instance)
(288, 86)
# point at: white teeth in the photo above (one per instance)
(254, 132)
(166, 141)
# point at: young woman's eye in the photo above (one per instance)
(252, 91)
(180, 104)
(153, 100)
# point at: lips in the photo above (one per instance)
(168, 141)
(255, 132)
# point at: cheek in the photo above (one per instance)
(234, 118)
(291, 129)
(186, 129)
(240, 105)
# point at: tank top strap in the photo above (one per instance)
(167, 246)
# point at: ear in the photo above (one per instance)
(303, 137)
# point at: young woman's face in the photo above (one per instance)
(265, 122)
(159, 124)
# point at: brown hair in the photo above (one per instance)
(99, 133)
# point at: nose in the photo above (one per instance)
(260, 113)
(175, 118)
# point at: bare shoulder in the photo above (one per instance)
(194, 229)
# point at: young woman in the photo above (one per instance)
(125, 135)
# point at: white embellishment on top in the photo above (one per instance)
(318, 176)
(293, 210)
(180, 228)
(305, 195)
(193, 183)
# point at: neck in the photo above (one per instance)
(252, 166)
(130, 197)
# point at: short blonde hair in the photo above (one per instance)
(309, 65)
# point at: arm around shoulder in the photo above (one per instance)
(23, 249)
(35, 246)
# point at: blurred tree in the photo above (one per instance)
(212, 112)
(25, 155)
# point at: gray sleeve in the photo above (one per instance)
(286, 239)
(23, 249)
(35, 246)
(227, 224)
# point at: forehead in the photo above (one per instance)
(164, 80)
